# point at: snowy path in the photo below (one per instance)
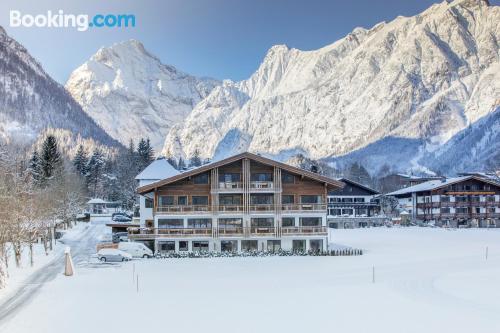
(82, 246)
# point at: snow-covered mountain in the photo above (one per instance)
(32, 102)
(131, 94)
(414, 82)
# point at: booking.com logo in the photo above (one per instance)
(82, 22)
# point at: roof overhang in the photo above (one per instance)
(204, 168)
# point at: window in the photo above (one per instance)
(462, 210)
(229, 246)
(200, 200)
(170, 223)
(335, 211)
(288, 222)
(359, 199)
(229, 223)
(461, 199)
(474, 198)
(348, 211)
(201, 179)
(287, 178)
(445, 210)
(316, 245)
(298, 245)
(287, 199)
(261, 199)
(167, 246)
(310, 199)
(490, 198)
(229, 177)
(261, 177)
(200, 246)
(249, 245)
(182, 200)
(230, 199)
(445, 198)
(310, 221)
(347, 200)
(183, 245)
(273, 245)
(200, 223)
(148, 203)
(262, 222)
(166, 200)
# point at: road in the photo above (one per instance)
(81, 249)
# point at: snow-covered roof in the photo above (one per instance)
(157, 170)
(96, 201)
(434, 184)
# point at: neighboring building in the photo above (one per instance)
(460, 201)
(353, 206)
(101, 210)
(156, 171)
(398, 181)
(244, 202)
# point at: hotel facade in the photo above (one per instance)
(242, 203)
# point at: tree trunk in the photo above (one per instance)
(4, 274)
(17, 253)
(32, 260)
(45, 247)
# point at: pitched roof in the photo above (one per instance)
(435, 184)
(235, 158)
(157, 170)
(352, 182)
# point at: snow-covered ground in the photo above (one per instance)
(426, 280)
(17, 275)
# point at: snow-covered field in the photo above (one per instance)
(426, 280)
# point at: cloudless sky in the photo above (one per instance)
(224, 39)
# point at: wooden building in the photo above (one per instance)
(244, 202)
(454, 202)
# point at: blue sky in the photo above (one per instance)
(217, 38)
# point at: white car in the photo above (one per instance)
(136, 250)
(105, 255)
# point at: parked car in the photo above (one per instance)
(111, 255)
(120, 237)
(122, 218)
(136, 250)
(121, 214)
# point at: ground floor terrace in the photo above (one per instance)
(430, 280)
(461, 220)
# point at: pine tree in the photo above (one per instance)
(50, 160)
(95, 171)
(181, 165)
(80, 161)
(195, 159)
(144, 153)
(35, 168)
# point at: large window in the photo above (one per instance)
(287, 199)
(200, 246)
(310, 221)
(316, 245)
(288, 222)
(262, 222)
(261, 199)
(166, 200)
(334, 211)
(310, 199)
(359, 199)
(462, 210)
(148, 203)
(182, 200)
(200, 223)
(229, 177)
(445, 210)
(183, 246)
(230, 223)
(230, 199)
(229, 246)
(287, 178)
(249, 245)
(201, 179)
(347, 199)
(261, 177)
(273, 245)
(200, 200)
(170, 223)
(298, 245)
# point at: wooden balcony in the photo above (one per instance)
(231, 209)
(136, 233)
(321, 207)
(291, 231)
(184, 209)
(261, 186)
(230, 187)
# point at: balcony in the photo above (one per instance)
(231, 209)
(230, 187)
(292, 231)
(263, 186)
(304, 207)
(138, 233)
(184, 209)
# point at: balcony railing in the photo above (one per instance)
(230, 185)
(261, 185)
(196, 209)
(304, 231)
(303, 207)
(230, 208)
(138, 233)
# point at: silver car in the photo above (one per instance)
(113, 255)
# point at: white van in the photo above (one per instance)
(136, 250)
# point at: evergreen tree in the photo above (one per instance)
(50, 160)
(180, 165)
(35, 168)
(144, 153)
(195, 159)
(80, 161)
(95, 172)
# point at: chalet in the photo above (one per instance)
(244, 202)
(454, 202)
(353, 206)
